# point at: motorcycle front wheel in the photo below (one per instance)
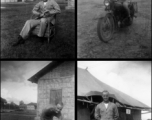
(105, 28)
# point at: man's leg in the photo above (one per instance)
(43, 25)
(25, 31)
(27, 28)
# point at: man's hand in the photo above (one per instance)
(55, 118)
(46, 14)
(42, 15)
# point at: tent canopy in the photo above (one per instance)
(88, 85)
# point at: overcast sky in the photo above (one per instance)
(131, 77)
(14, 84)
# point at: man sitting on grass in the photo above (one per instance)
(45, 11)
(51, 112)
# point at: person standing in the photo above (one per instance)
(106, 110)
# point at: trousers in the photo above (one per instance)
(30, 24)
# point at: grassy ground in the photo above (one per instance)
(16, 117)
(131, 42)
(29, 112)
(13, 18)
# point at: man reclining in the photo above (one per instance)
(45, 11)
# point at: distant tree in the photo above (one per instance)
(12, 103)
(3, 102)
(21, 102)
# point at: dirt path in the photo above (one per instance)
(131, 42)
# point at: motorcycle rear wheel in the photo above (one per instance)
(103, 23)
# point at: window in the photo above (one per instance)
(55, 96)
(128, 111)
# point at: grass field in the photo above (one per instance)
(13, 17)
(16, 117)
(131, 42)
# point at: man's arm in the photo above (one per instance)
(43, 114)
(56, 8)
(116, 113)
(35, 10)
(97, 113)
(60, 117)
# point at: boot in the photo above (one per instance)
(41, 39)
(20, 41)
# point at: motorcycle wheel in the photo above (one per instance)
(105, 28)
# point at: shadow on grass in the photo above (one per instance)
(61, 47)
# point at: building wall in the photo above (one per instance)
(30, 107)
(61, 77)
(135, 114)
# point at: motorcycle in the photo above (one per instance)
(119, 15)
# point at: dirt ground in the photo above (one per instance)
(131, 42)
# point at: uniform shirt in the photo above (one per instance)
(45, 3)
(106, 104)
(50, 113)
(111, 113)
(50, 6)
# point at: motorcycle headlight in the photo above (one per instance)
(106, 3)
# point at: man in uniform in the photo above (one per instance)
(50, 113)
(45, 11)
(106, 110)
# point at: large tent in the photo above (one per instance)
(88, 83)
(89, 86)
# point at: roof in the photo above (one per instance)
(35, 104)
(43, 71)
(88, 85)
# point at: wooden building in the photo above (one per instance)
(56, 83)
(23, 107)
(31, 106)
(89, 94)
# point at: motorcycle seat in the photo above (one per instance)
(122, 8)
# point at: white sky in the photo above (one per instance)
(14, 80)
(132, 78)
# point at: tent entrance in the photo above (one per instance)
(83, 113)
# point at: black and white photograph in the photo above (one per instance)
(37, 90)
(114, 90)
(114, 28)
(38, 29)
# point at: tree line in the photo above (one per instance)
(9, 105)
